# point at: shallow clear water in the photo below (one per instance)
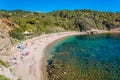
(85, 57)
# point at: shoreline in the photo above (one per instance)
(65, 69)
(32, 66)
(30, 61)
(52, 43)
(46, 54)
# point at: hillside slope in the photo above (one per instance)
(58, 21)
(5, 43)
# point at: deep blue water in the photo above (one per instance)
(85, 57)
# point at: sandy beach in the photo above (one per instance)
(27, 63)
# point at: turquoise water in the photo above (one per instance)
(85, 57)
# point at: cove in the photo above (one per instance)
(85, 57)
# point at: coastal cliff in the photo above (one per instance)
(5, 42)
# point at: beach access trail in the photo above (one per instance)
(29, 60)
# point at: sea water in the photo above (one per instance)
(85, 57)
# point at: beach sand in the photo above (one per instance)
(29, 63)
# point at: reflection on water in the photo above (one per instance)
(86, 57)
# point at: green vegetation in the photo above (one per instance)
(3, 63)
(3, 78)
(58, 21)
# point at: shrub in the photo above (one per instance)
(3, 63)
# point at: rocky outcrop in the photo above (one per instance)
(5, 42)
(6, 25)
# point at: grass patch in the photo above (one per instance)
(3, 63)
(3, 78)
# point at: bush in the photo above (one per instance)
(17, 33)
(3, 63)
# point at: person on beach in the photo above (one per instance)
(19, 46)
(15, 60)
(27, 53)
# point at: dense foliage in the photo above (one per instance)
(80, 20)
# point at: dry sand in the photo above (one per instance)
(30, 67)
